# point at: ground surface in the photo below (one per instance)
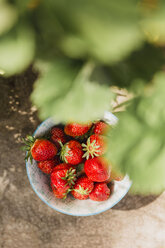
(26, 222)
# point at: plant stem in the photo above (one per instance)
(122, 104)
(86, 71)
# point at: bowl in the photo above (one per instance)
(70, 206)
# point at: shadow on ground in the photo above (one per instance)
(130, 202)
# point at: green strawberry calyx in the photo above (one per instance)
(64, 152)
(29, 142)
(82, 191)
(91, 149)
(66, 193)
(70, 177)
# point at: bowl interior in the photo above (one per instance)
(40, 183)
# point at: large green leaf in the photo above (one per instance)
(137, 143)
(8, 16)
(66, 94)
(140, 65)
(16, 50)
(25, 5)
(104, 30)
(109, 29)
(153, 21)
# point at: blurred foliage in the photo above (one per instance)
(140, 65)
(100, 29)
(153, 21)
(8, 16)
(75, 31)
(137, 144)
(125, 40)
(71, 93)
(16, 50)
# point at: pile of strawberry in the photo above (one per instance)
(73, 156)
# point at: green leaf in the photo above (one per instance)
(16, 50)
(66, 94)
(153, 22)
(137, 143)
(104, 29)
(8, 17)
(25, 6)
(55, 82)
(140, 65)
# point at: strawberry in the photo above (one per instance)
(39, 149)
(47, 166)
(72, 152)
(63, 177)
(101, 192)
(95, 146)
(100, 127)
(60, 193)
(76, 129)
(58, 136)
(61, 167)
(82, 188)
(97, 169)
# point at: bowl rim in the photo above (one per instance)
(61, 211)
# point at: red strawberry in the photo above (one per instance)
(76, 129)
(97, 169)
(60, 193)
(47, 166)
(40, 149)
(58, 136)
(101, 192)
(62, 166)
(63, 177)
(95, 146)
(82, 188)
(72, 152)
(100, 127)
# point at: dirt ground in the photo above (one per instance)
(26, 222)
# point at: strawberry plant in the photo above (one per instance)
(81, 50)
